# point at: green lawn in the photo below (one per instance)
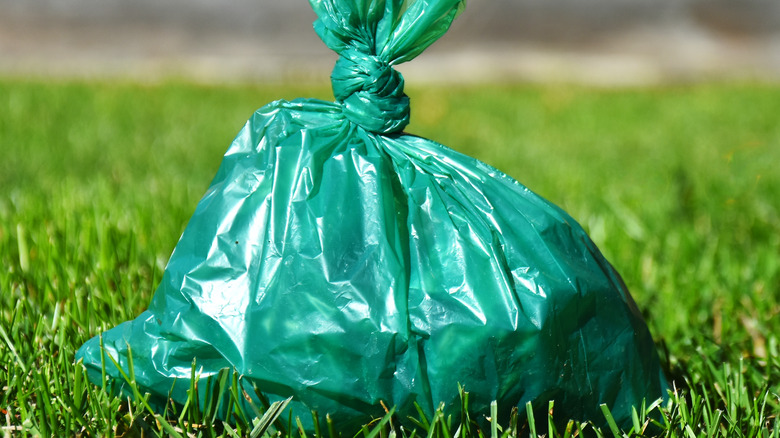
(678, 185)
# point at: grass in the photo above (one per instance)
(678, 186)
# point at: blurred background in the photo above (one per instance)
(588, 41)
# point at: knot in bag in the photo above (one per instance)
(371, 92)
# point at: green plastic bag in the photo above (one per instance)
(340, 261)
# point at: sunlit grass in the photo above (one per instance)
(677, 185)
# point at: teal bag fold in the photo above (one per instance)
(337, 260)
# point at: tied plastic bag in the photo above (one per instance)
(340, 261)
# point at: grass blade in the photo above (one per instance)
(610, 421)
(529, 410)
(13, 350)
(269, 417)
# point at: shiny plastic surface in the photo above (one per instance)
(340, 261)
